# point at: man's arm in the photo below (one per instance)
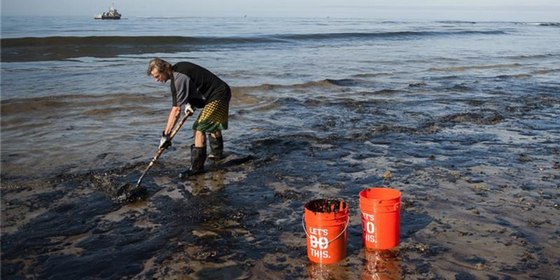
(172, 119)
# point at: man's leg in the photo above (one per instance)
(199, 139)
(216, 145)
(198, 155)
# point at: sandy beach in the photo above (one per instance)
(467, 129)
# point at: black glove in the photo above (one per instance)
(165, 141)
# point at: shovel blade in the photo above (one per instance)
(130, 193)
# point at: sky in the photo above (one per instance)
(475, 10)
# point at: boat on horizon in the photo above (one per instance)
(111, 14)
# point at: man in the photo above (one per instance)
(195, 86)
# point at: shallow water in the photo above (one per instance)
(462, 118)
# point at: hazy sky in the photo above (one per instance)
(514, 10)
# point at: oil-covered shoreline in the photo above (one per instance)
(477, 202)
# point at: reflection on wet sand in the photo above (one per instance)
(381, 265)
(377, 265)
(324, 272)
(206, 183)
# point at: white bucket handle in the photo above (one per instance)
(339, 235)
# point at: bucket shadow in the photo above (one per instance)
(412, 222)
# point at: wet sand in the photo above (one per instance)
(480, 199)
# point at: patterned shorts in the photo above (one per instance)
(214, 116)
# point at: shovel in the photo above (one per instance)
(126, 192)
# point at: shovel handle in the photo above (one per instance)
(183, 120)
(160, 150)
(173, 133)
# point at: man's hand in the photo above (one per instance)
(165, 141)
(189, 109)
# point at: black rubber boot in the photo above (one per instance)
(216, 148)
(198, 156)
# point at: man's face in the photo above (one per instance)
(161, 77)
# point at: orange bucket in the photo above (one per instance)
(325, 223)
(380, 217)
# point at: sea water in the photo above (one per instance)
(81, 83)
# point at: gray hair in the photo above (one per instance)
(159, 64)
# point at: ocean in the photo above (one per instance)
(457, 111)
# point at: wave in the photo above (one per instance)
(534, 56)
(395, 34)
(554, 24)
(69, 102)
(114, 103)
(456, 22)
(48, 103)
(59, 47)
(322, 84)
(545, 71)
(474, 67)
(111, 103)
(514, 76)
